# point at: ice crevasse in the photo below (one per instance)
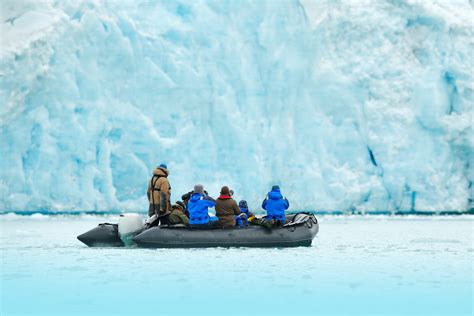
(348, 106)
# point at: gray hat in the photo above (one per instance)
(199, 188)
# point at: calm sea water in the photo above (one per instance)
(358, 265)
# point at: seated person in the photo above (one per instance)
(198, 207)
(275, 204)
(184, 207)
(244, 209)
(246, 215)
(186, 196)
(226, 209)
(177, 215)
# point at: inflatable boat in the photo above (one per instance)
(299, 230)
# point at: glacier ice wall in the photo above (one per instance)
(361, 105)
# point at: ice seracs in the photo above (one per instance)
(365, 107)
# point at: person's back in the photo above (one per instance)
(184, 207)
(226, 208)
(198, 206)
(178, 215)
(159, 193)
(246, 216)
(275, 205)
(244, 209)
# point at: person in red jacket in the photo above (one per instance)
(226, 208)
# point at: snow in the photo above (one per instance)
(363, 106)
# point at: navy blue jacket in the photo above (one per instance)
(246, 211)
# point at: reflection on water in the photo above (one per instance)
(357, 265)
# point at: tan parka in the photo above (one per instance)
(158, 188)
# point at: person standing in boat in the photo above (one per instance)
(275, 204)
(159, 193)
(226, 209)
(198, 206)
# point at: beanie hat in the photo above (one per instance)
(243, 204)
(276, 188)
(225, 190)
(163, 165)
(199, 188)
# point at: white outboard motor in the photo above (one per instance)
(129, 225)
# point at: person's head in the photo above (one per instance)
(276, 188)
(199, 188)
(162, 168)
(177, 206)
(225, 190)
(243, 204)
(183, 206)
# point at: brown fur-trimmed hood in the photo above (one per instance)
(160, 171)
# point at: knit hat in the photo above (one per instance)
(243, 204)
(276, 188)
(199, 188)
(163, 165)
(225, 190)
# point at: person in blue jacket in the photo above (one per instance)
(245, 215)
(198, 206)
(244, 209)
(275, 204)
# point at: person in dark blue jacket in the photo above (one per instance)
(245, 215)
(244, 209)
(198, 206)
(275, 204)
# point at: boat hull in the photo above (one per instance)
(250, 236)
(104, 235)
(300, 231)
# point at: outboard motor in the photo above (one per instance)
(129, 225)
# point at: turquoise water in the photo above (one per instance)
(358, 265)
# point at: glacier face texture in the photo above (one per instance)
(349, 106)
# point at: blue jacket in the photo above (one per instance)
(275, 205)
(197, 207)
(246, 211)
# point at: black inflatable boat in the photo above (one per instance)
(104, 235)
(299, 231)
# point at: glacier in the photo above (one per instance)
(347, 105)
